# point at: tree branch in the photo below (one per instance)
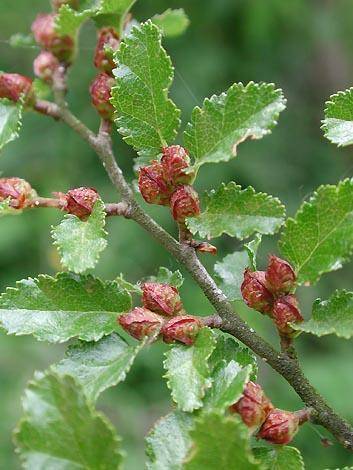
(285, 365)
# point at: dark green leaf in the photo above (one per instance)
(165, 276)
(188, 370)
(61, 430)
(172, 22)
(320, 237)
(238, 213)
(10, 120)
(57, 309)
(338, 122)
(252, 248)
(231, 273)
(279, 458)
(147, 118)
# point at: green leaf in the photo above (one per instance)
(230, 272)
(10, 120)
(165, 276)
(147, 118)
(81, 242)
(41, 88)
(332, 316)
(238, 213)
(338, 122)
(69, 21)
(188, 370)
(60, 308)
(172, 22)
(279, 458)
(124, 284)
(168, 443)
(226, 120)
(6, 209)
(252, 248)
(320, 237)
(98, 366)
(61, 430)
(220, 442)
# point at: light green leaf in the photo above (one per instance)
(81, 242)
(230, 272)
(279, 458)
(6, 209)
(332, 316)
(168, 442)
(69, 21)
(147, 118)
(98, 366)
(60, 308)
(338, 122)
(188, 370)
(10, 120)
(41, 88)
(124, 284)
(220, 442)
(226, 120)
(252, 248)
(238, 213)
(113, 13)
(320, 237)
(172, 22)
(61, 430)
(165, 276)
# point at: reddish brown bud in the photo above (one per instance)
(280, 276)
(255, 293)
(204, 247)
(183, 328)
(175, 161)
(45, 65)
(13, 85)
(285, 311)
(100, 91)
(18, 190)
(253, 406)
(280, 427)
(161, 298)
(184, 203)
(57, 4)
(141, 322)
(44, 32)
(80, 201)
(108, 42)
(152, 185)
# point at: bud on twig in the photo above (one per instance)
(141, 322)
(161, 298)
(80, 201)
(13, 85)
(184, 203)
(285, 311)
(280, 276)
(280, 427)
(45, 65)
(255, 293)
(18, 190)
(175, 161)
(45, 34)
(57, 4)
(100, 91)
(183, 328)
(108, 42)
(152, 186)
(253, 406)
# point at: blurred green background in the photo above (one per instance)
(304, 47)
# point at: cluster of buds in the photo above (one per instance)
(79, 201)
(168, 183)
(45, 34)
(270, 292)
(257, 412)
(108, 42)
(17, 191)
(161, 314)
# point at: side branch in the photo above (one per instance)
(285, 365)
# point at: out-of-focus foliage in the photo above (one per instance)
(303, 47)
